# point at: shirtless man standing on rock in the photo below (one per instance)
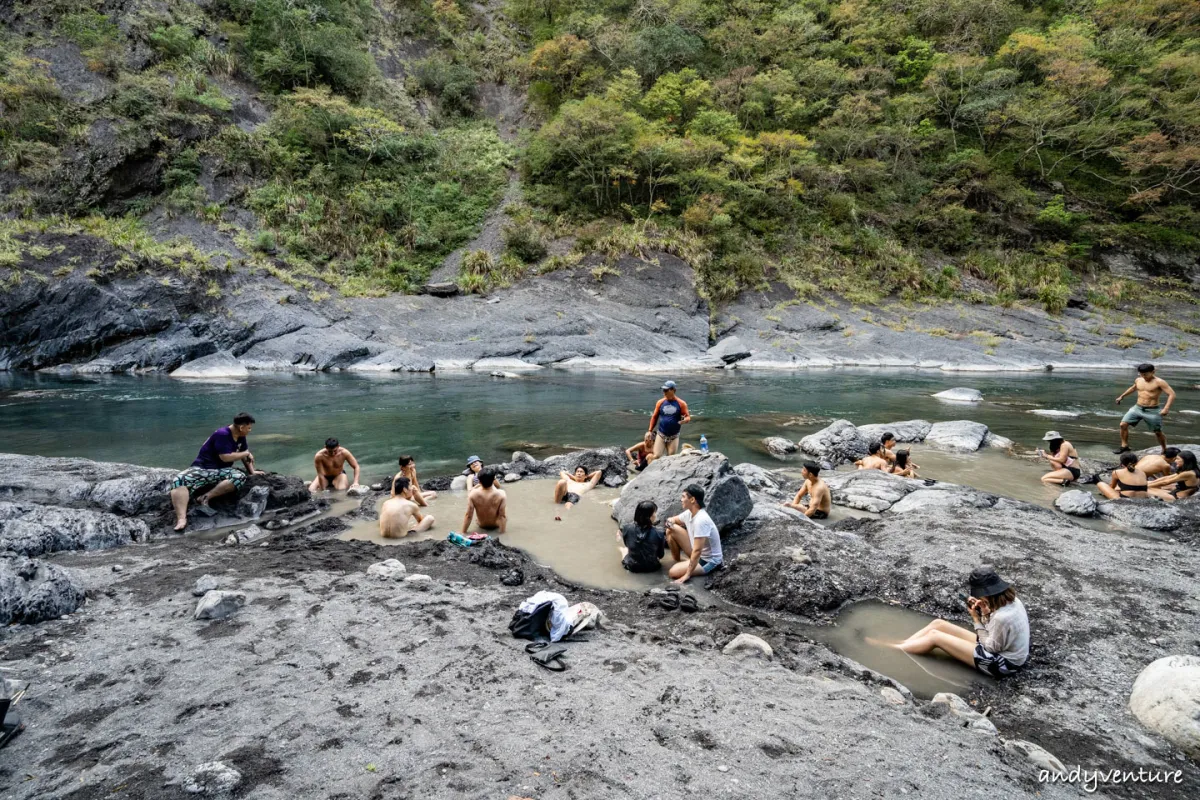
(330, 462)
(1149, 388)
(819, 498)
(488, 504)
(399, 515)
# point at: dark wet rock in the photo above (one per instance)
(780, 447)
(33, 591)
(730, 350)
(911, 430)
(960, 395)
(514, 577)
(31, 529)
(726, 497)
(442, 289)
(838, 443)
(869, 489)
(961, 436)
(1148, 513)
(612, 460)
(253, 503)
(1076, 502)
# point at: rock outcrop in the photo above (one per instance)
(779, 447)
(727, 499)
(961, 436)
(1166, 699)
(838, 443)
(909, 431)
(33, 591)
(1076, 502)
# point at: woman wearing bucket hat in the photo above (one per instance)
(1062, 456)
(998, 646)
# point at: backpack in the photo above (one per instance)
(533, 624)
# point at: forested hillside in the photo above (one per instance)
(992, 150)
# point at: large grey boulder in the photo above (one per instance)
(218, 366)
(910, 430)
(960, 395)
(869, 489)
(838, 443)
(779, 447)
(730, 350)
(32, 530)
(962, 435)
(1139, 512)
(219, 604)
(943, 496)
(756, 477)
(80, 483)
(33, 591)
(1166, 699)
(611, 460)
(1076, 502)
(726, 497)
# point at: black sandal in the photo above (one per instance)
(688, 603)
(669, 601)
(549, 657)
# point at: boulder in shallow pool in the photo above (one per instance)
(1077, 503)
(909, 430)
(33, 591)
(997, 441)
(960, 395)
(869, 489)
(1153, 515)
(218, 366)
(779, 447)
(963, 436)
(726, 497)
(1166, 699)
(838, 443)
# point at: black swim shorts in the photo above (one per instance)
(570, 497)
(820, 515)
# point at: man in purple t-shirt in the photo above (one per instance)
(214, 467)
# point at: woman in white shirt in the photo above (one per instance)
(998, 646)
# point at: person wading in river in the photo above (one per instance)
(693, 534)
(819, 499)
(669, 415)
(488, 504)
(213, 467)
(1126, 481)
(998, 646)
(408, 468)
(874, 459)
(1149, 388)
(1062, 458)
(1156, 465)
(399, 515)
(331, 461)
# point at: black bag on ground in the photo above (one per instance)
(532, 624)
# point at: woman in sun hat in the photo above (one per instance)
(1062, 456)
(999, 645)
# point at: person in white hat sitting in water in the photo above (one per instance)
(1061, 454)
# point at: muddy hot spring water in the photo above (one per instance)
(441, 419)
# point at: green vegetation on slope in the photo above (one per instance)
(849, 145)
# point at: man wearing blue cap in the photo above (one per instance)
(669, 415)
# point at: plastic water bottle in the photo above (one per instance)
(703, 443)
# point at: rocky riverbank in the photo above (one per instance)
(317, 673)
(632, 314)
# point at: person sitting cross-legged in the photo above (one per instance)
(694, 535)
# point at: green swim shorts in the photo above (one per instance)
(1151, 416)
(197, 478)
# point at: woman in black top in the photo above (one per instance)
(1127, 480)
(644, 543)
(1182, 483)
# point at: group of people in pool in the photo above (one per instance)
(1170, 475)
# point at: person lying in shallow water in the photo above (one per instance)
(904, 466)
(643, 542)
(1182, 483)
(571, 487)
(998, 646)
(1062, 457)
(1126, 481)
(819, 499)
(400, 515)
(1157, 465)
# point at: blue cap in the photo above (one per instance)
(668, 385)
(473, 459)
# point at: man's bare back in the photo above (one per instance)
(819, 496)
(873, 462)
(399, 516)
(490, 508)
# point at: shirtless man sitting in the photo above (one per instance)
(819, 498)
(399, 515)
(408, 469)
(1155, 465)
(330, 462)
(570, 488)
(488, 504)
(887, 447)
(874, 459)
(1149, 388)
